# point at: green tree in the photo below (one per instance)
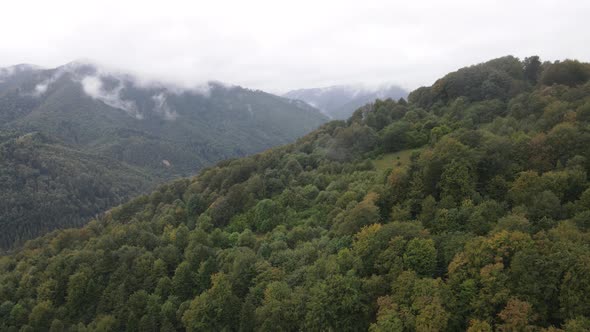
(217, 309)
(388, 318)
(336, 304)
(279, 309)
(575, 284)
(568, 72)
(41, 315)
(420, 256)
(532, 68)
(457, 182)
(362, 214)
(183, 281)
(267, 215)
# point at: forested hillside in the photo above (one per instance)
(110, 137)
(465, 208)
(45, 185)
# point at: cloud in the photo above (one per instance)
(93, 86)
(282, 45)
(6, 73)
(92, 78)
(161, 107)
(41, 88)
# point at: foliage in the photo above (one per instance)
(484, 228)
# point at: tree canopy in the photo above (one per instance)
(466, 208)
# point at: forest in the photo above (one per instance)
(67, 155)
(464, 208)
(45, 185)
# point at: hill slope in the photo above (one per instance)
(483, 227)
(339, 102)
(146, 133)
(46, 185)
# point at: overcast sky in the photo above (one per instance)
(281, 45)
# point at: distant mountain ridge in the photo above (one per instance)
(158, 129)
(340, 101)
(106, 112)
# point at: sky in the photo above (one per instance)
(281, 45)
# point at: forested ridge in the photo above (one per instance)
(77, 140)
(466, 207)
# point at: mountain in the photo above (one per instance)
(141, 123)
(47, 185)
(134, 134)
(339, 102)
(465, 208)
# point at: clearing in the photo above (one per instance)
(395, 159)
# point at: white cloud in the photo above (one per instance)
(92, 86)
(162, 107)
(91, 77)
(40, 88)
(279, 45)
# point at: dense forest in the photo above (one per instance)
(45, 185)
(466, 207)
(76, 140)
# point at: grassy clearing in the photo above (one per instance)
(393, 160)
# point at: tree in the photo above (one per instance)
(532, 68)
(267, 215)
(479, 326)
(457, 182)
(80, 292)
(18, 315)
(362, 214)
(432, 318)
(105, 324)
(568, 72)
(575, 284)
(279, 309)
(394, 136)
(516, 316)
(336, 304)
(183, 281)
(217, 309)
(388, 319)
(195, 206)
(57, 326)
(41, 315)
(580, 324)
(420, 256)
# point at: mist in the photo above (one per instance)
(279, 46)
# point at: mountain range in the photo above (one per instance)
(97, 121)
(340, 101)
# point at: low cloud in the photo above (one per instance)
(162, 108)
(92, 78)
(93, 86)
(41, 88)
(282, 45)
(5, 73)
